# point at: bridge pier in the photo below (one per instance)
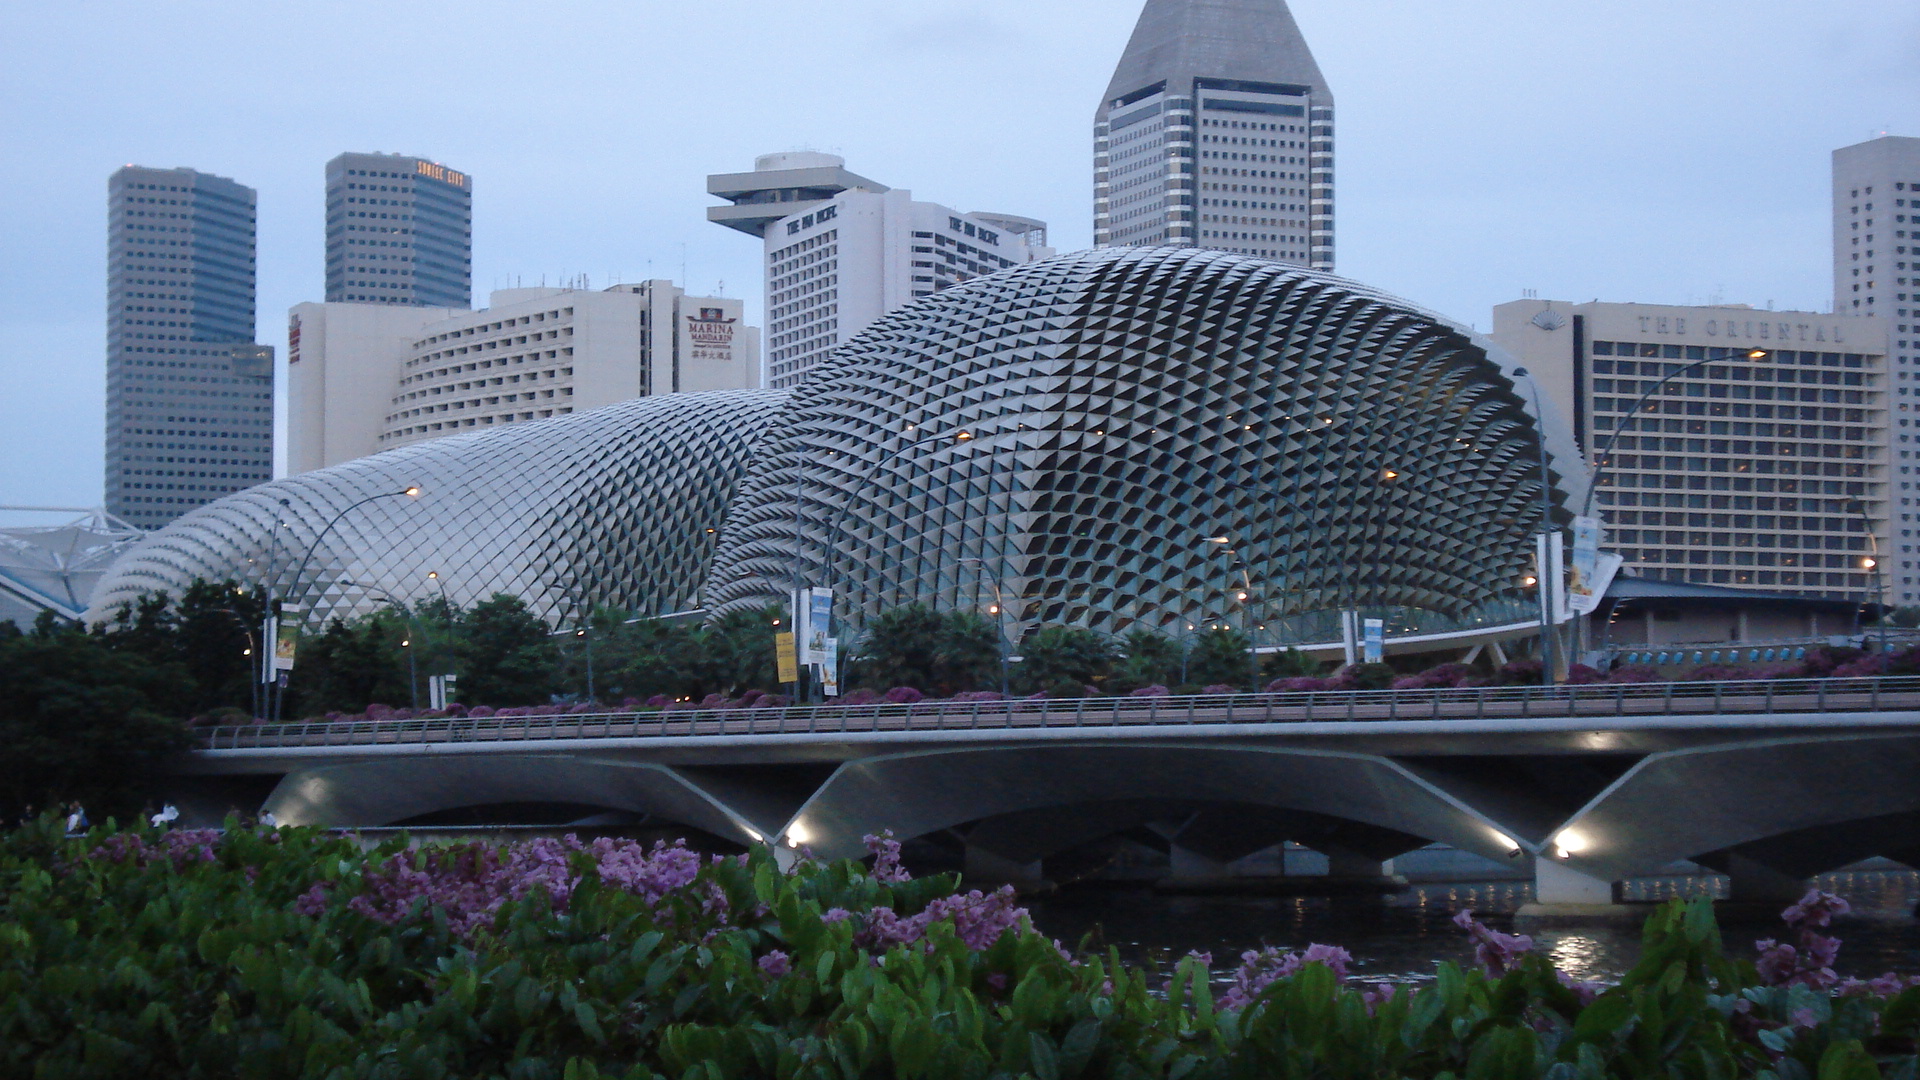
(1186, 864)
(1560, 889)
(1750, 881)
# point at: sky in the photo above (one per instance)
(1630, 150)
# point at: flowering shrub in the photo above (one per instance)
(1156, 690)
(902, 695)
(289, 953)
(1299, 684)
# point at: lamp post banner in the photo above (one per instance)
(286, 638)
(1376, 630)
(818, 626)
(784, 659)
(1586, 561)
(830, 669)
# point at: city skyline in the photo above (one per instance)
(1629, 155)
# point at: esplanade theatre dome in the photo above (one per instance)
(1129, 437)
(1141, 437)
(619, 506)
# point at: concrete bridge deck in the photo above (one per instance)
(1770, 781)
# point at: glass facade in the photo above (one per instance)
(399, 231)
(189, 394)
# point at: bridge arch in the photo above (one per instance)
(1684, 804)
(920, 792)
(382, 792)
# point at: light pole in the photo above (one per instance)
(1604, 457)
(411, 492)
(1242, 595)
(998, 611)
(407, 643)
(1546, 571)
(1872, 563)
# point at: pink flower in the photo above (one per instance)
(1816, 909)
(1496, 952)
(886, 858)
(1262, 968)
(834, 915)
(775, 963)
(313, 902)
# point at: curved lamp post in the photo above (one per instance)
(1545, 575)
(409, 643)
(411, 492)
(1872, 563)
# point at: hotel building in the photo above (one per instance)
(841, 250)
(367, 377)
(1760, 463)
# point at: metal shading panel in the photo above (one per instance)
(617, 506)
(1064, 438)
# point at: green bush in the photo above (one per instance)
(294, 954)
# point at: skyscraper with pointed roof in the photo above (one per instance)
(1217, 132)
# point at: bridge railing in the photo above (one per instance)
(1769, 696)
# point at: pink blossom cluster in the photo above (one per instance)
(1261, 968)
(650, 874)
(1497, 953)
(978, 920)
(886, 858)
(1811, 964)
(178, 846)
(470, 882)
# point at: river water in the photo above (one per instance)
(1402, 937)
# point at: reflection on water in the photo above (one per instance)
(1402, 937)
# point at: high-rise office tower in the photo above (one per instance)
(189, 394)
(843, 250)
(1876, 275)
(399, 231)
(1217, 132)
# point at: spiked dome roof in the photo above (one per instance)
(1061, 440)
(1251, 40)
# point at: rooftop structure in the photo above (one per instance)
(55, 567)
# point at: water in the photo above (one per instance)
(1401, 938)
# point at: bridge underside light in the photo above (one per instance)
(797, 835)
(1570, 843)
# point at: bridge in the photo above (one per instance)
(1768, 781)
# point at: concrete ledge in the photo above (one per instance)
(1573, 914)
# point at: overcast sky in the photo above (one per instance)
(1671, 151)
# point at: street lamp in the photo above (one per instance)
(412, 491)
(1872, 563)
(997, 610)
(407, 643)
(1547, 570)
(1241, 595)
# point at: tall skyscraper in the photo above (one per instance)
(189, 394)
(399, 231)
(842, 250)
(1876, 275)
(1217, 132)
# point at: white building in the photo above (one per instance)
(1761, 464)
(1876, 275)
(841, 250)
(369, 377)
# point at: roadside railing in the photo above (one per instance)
(1770, 696)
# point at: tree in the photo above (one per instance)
(1220, 657)
(507, 656)
(82, 720)
(1053, 655)
(351, 665)
(1147, 659)
(1288, 664)
(738, 651)
(968, 654)
(648, 657)
(942, 653)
